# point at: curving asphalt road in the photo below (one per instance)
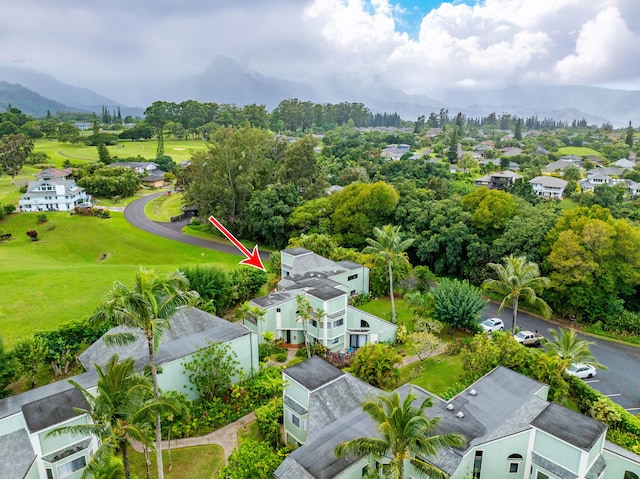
(134, 214)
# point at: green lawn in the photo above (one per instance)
(198, 462)
(251, 431)
(578, 151)
(567, 204)
(58, 152)
(434, 374)
(65, 274)
(381, 308)
(164, 207)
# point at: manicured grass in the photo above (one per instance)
(65, 274)
(434, 374)
(177, 150)
(164, 207)
(567, 203)
(381, 307)
(578, 151)
(197, 462)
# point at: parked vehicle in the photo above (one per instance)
(492, 324)
(528, 338)
(583, 371)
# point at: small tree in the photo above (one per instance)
(377, 364)
(251, 460)
(458, 304)
(425, 344)
(212, 369)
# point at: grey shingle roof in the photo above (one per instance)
(17, 455)
(570, 426)
(552, 467)
(53, 409)
(190, 328)
(291, 404)
(596, 469)
(313, 373)
(291, 469)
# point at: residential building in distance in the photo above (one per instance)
(327, 285)
(498, 181)
(548, 186)
(512, 431)
(140, 167)
(53, 194)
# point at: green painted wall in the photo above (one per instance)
(33, 472)
(50, 444)
(296, 391)
(617, 465)
(557, 451)
(12, 423)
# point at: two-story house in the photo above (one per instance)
(548, 186)
(327, 285)
(499, 181)
(511, 430)
(27, 451)
(53, 194)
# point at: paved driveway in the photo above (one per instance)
(134, 213)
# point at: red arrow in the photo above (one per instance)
(253, 257)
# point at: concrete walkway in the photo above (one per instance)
(226, 436)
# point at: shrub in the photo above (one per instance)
(280, 357)
(33, 234)
(361, 299)
(8, 209)
(212, 381)
(42, 218)
(269, 419)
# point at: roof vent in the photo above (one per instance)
(450, 406)
(460, 415)
(473, 392)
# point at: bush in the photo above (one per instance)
(8, 209)
(33, 234)
(361, 299)
(269, 419)
(42, 218)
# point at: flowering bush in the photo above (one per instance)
(33, 234)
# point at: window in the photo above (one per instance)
(339, 322)
(335, 340)
(314, 323)
(49, 473)
(513, 466)
(352, 277)
(278, 310)
(477, 465)
(295, 420)
(630, 475)
(363, 324)
(541, 475)
(71, 467)
(353, 292)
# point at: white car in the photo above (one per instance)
(492, 324)
(580, 370)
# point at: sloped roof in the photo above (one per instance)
(313, 373)
(48, 173)
(17, 455)
(53, 409)
(191, 328)
(549, 181)
(570, 426)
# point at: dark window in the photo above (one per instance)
(314, 323)
(515, 456)
(477, 465)
(513, 467)
(630, 475)
(363, 324)
(339, 322)
(49, 474)
(278, 310)
(365, 470)
(352, 277)
(541, 475)
(353, 292)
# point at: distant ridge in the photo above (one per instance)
(28, 101)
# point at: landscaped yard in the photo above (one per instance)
(65, 274)
(578, 151)
(434, 374)
(198, 462)
(164, 207)
(381, 308)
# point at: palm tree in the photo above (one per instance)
(148, 307)
(549, 369)
(387, 245)
(568, 346)
(518, 278)
(116, 412)
(404, 433)
(303, 315)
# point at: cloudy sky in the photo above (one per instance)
(419, 46)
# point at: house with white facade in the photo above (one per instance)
(499, 181)
(53, 194)
(511, 430)
(26, 449)
(548, 186)
(140, 167)
(327, 285)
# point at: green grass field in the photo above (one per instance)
(164, 207)
(65, 274)
(578, 151)
(382, 308)
(434, 374)
(197, 462)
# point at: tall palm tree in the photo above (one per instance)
(404, 433)
(568, 346)
(388, 246)
(147, 306)
(549, 369)
(304, 315)
(116, 412)
(518, 278)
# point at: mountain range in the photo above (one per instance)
(226, 81)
